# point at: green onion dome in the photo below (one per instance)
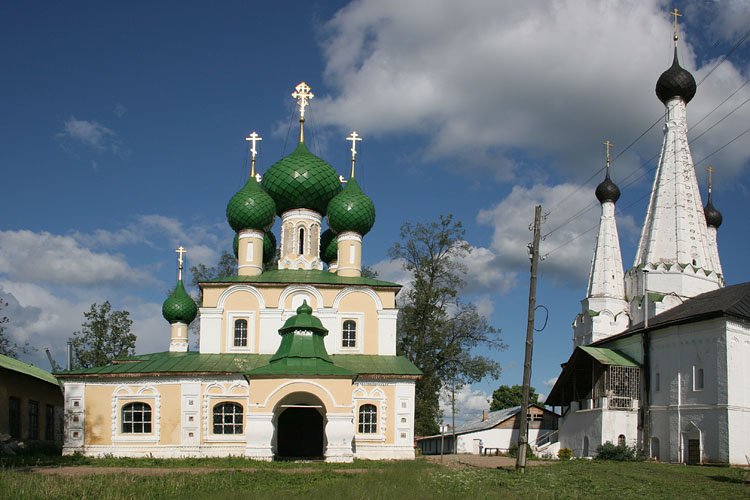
(301, 180)
(236, 245)
(351, 210)
(179, 306)
(304, 320)
(329, 247)
(269, 247)
(251, 208)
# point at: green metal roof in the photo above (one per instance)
(314, 276)
(608, 356)
(167, 363)
(20, 367)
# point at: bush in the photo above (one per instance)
(513, 451)
(621, 453)
(565, 454)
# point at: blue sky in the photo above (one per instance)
(122, 126)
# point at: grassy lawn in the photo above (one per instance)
(387, 480)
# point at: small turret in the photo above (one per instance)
(179, 310)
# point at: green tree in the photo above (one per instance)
(103, 337)
(438, 331)
(7, 347)
(506, 396)
(226, 266)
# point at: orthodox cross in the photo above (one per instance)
(354, 137)
(607, 146)
(710, 171)
(675, 13)
(180, 252)
(253, 138)
(303, 95)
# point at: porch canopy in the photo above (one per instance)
(595, 372)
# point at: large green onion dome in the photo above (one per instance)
(301, 180)
(269, 247)
(179, 306)
(251, 208)
(351, 210)
(329, 247)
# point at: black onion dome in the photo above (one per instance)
(675, 82)
(607, 191)
(713, 216)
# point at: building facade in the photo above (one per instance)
(297, 351)
(661, 351)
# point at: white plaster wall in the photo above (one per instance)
(575, 425)
(494, 438)
(738, 391)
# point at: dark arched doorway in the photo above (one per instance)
(300, 433)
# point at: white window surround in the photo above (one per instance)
(359, 320)
(233, 316)
(124, 395)
(375, 397)
(698, 378)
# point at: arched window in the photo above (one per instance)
(301, 242)
(136, 418)
(240, 333)
(228, 418)
(368, 419)
(621, 440)
(349, 334)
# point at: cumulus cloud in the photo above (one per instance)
(470, 403)
(43, 257)
(516, 87)
(92, 134)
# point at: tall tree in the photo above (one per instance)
(506, 396)
(104, 336)
(438, 331)
(7, 347)
(226, 266)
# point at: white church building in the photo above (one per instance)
(661, 357)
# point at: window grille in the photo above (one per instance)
(349, 336)
(622, 386)
(240, 333)
(228, 418)
(34, 420)
(136, 418)
(368, 419)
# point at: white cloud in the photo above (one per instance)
(47, 258)
(470, 403)
(495, 81)
(550, 382)
(91, 134)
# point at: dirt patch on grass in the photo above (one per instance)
(486, 462)
(85, 470)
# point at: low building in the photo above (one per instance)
(494, 432)
(34, 402)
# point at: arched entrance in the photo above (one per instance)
(300, 427)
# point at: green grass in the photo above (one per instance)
(387, 480)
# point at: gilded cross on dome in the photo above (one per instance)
(710, 171)
(607, 146)
(253, 138)
(180, 252)
(675, 13)
(303, 95)
(354, 137)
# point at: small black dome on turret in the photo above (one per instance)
(607, 191)
(713, 216)
(675, 82)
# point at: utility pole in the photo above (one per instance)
(523, 432)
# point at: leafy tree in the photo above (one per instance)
(7, 347)
(438, 331)
(506, 396)
(104, 336)
(369, 272)
(226, 266)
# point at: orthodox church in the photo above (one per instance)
(661, 357)
(297, 354)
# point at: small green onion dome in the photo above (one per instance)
(251, 208)
(236, 245)
(179, 306)
(351, 210)
(301, 180)
(329, 247)
(269, 247)
(304, 320)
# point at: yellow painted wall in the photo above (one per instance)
(367, 329)
(265, 394)
(26, 388)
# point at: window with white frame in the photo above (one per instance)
(349, 334)
(228, 418)
(240, 333)
(136, 418)
(368, 419)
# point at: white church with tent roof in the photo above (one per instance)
(661, 356)
(297, 358)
